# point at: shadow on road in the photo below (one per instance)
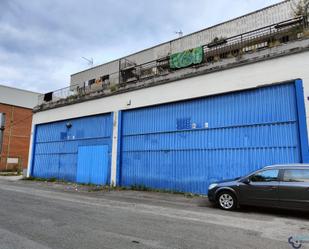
(282, 213)
(275, 212)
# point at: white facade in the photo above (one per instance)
(18, 97)
(265, 67)
(239, 78)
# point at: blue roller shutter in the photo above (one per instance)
(185, 146)
(56, 146)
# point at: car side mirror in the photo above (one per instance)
(246, 181)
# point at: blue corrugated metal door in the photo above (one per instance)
(186, 145)
(56, 145)
(92, 164)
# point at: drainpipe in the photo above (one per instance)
(10, 135)
(2, 122)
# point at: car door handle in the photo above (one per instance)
(273, 187)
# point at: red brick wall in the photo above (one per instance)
(16, 134)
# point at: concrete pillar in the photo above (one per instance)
(113, 181)
(31, 145)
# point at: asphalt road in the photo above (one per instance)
(44, 215)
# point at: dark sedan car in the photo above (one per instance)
(281, 186)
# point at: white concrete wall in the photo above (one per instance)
(111, 68)
(18, 97)
(248, 76)
(239, 78)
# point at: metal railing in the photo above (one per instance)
(72, 92)
(221, 48)
(264, 35)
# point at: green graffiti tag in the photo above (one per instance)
(186, 58)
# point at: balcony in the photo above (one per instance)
(219, 54)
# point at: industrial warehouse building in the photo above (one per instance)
(214, 104)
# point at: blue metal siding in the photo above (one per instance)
(186, 145)
(303, 134)
(92, 166)
(56, 146)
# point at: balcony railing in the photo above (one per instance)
(217, 50)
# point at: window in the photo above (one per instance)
(48, 96)
(265, 176)
(63, 135)
(105, 79)
(285, 39)
(91, 82)
(183, 123)
(296, 175)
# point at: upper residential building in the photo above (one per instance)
(159, 55)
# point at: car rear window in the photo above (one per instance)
(296, 175)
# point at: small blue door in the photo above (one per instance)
(92, 164)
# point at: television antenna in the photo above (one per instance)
(90, 61)
(179, 33)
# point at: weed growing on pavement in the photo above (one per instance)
(96, 188)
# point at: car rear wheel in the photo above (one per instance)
(226, 200)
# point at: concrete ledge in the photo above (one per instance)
(249, 58)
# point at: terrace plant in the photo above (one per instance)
(300, 8)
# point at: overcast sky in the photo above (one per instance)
(42, 41)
